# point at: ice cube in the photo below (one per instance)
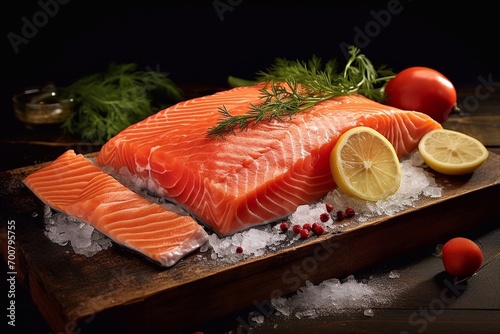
(393, 274)
(368, 312)
(433, 192)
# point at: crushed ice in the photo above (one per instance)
(333, 296)
(252, 242)
(330, 297)
(416, 182)
(394, 274)
(369, 312)
(310, 301)
(83, 238)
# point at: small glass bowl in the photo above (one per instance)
(39, 106)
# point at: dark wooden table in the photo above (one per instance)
(424, 301)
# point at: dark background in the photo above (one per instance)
(196, 43)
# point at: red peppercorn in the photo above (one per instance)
(307, 227)
(296, 228)
(349, 212)
(324, 217)
(239, 249)
(304, 234)
(340, 215)
(284, 227)
(329, 207)
(318, 229)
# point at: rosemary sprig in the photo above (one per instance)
(295, 86)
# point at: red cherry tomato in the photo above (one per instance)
(422, 89)
(461, 257)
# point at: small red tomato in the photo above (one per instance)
(461, 257)
(422, 89)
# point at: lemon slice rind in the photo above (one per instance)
(451, 152)
(365, 165)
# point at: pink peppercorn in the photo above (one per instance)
(340, 215)
(329, 207)
(296, 228)
(349, 212)
(304, 233)
(318, 229)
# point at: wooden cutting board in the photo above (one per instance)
(121, 289)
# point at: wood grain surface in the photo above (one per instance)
(60, 291)
(124, 289)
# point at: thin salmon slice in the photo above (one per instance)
(255, 176)
(74, 185)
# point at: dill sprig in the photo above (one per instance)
(108, 102)
(295, 86)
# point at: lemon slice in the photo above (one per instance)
(451, 152)
(364, 164)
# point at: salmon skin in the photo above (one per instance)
(74, 185)
(255, 176)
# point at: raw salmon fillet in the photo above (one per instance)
(72, 184)
(255, 176)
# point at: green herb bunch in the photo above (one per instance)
(295, 86)
(108, 102)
